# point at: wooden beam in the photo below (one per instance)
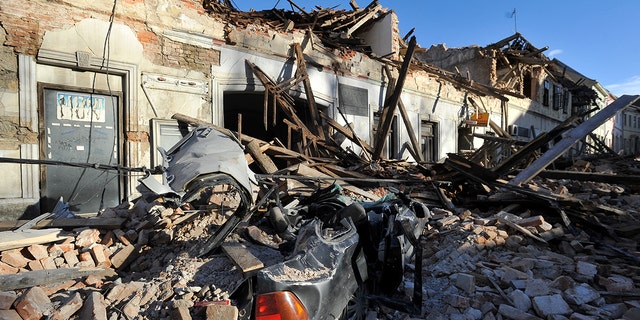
(350, 134)
(417, 153)
(392, 102)
(28, 279)
(25, 238)
(264, 162)
(99, 223)
(242, 258)
(301, 72)
(305, 171)
(591, 176)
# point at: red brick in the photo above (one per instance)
(100, 256)
(108, 239)
(94, 307)
(55, 251)
(531, 221)
(7, 298)
(87, 237)
(33, 304)
(64, 246)
(71, 257)
(9, 315)
(122, 258)
(71, 306)
(124, 291)
(48, 263)
(7, 269)
(121, 236)
(38, 251)
(51, 289)
(93, 281)
(35, 265)
(14, 258)
(147, 36)
(86, 259)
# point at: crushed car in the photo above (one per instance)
(341, 254)
(347, 255)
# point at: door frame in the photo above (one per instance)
(119, 122)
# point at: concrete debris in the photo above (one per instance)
(474, 266)
(476, 246)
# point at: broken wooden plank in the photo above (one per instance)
(264, 162)
(415, 146)
(30, 279)
(304, 170)
(21, 239)
(242, 258)
(571, 137)
(99, 223)
(301, 72)
(392, 102)
(504, 217)
(622, 179)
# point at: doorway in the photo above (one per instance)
(79, 126)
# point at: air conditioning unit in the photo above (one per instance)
(513, 130)
(516, 131)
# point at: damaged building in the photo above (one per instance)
(313, 133)
(135, 70)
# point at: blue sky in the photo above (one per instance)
(599, 39)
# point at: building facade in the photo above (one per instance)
(98, 82)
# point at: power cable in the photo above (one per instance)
(106, 57)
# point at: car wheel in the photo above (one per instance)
(358, 306)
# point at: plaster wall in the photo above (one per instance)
(167, 57)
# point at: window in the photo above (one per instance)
(527, 86)
(353, 100)
(545, 94)
(557, 97)
(566, 101)
(428, 134)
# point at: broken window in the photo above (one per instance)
(392, 145)
(566, 101)
(428, 135)
(527, 86)
(545, 94)
(557, 97)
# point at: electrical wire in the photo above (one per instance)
(106, 57)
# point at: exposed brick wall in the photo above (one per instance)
(26, 23)
(137, 136)
(8, 67)
(10, 130)
(182, 55)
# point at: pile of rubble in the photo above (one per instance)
(479, 243)
(491, 261)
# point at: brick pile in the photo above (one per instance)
(502, 262)
(499, 265)
(138, 271)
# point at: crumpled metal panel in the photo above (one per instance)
(321, 272)
(203, 151)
